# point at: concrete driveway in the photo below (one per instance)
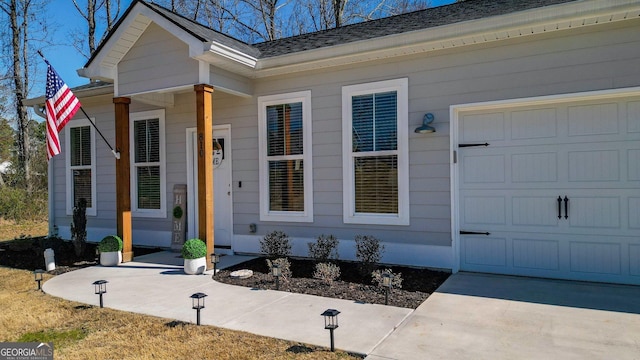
(481, 316)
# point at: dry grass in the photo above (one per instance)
(10, 230)
(86, 332)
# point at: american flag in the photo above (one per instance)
(61, 106)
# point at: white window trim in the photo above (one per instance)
(93, 210)
(348, 183)
(135, 211)
(286, 216)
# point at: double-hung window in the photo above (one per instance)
(148, 183)
(81, 165)
(375, 153)
(286, 192)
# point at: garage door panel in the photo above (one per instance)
(634, 212)
(534, 211)
(595, 119)
(596, 165)
(634, 260)
(540, 167)
(536, 254)
(597, 258)
(534, 124)
(633, 164)
(485, 210)
(485, 251)
(594, 212)
(633, 117)
(484, 169)
(483, 127)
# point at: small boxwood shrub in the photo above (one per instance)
(368, 252)
(276, 244)
(325, 248)
(327, 273)
(194, 249)
(111, 243)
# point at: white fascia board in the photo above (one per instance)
(524, 23)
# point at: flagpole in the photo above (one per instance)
(115, 153)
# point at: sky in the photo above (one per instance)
(65, 58)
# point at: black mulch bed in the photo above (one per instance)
(417, 283)
(28, 254)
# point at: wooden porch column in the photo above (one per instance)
(204, 108)
(123, 178)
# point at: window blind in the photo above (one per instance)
(147, 163)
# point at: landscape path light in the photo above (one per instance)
(197, 303)
(387, 282)
(275, 271)
(331, 323)
(100, 289)
(37, 274)
(215, 259)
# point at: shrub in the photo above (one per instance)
(285, 268)
(325, 248)
(396, 281)
(327, 272)
(368, 252)
(275, 245)
(110, 243)
(194, 249)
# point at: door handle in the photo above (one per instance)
(559, 207)
(566, 207)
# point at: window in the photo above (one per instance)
(80, 162)
(286, 192)
(148, 183)
(375, 153)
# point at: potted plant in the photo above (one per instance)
(194, 252)
(110, 250)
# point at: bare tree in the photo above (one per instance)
(90, 12)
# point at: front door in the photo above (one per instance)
(223, 222)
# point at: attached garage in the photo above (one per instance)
(549, 186)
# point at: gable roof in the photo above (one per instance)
(454, 25)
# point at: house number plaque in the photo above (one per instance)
(179, 213)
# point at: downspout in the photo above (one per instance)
(39, 110)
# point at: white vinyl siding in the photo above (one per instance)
(148, 181)
(286, 192)
(81, 165)
(375, 151)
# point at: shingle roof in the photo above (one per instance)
(432, 17)
(418, 20)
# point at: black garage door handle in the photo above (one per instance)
(566, 207)
(559, 207)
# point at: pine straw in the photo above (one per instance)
(112, 334)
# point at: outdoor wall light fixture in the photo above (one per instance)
(387, 282)
(275, 271)
(37, 275)
(100, 288)
(215, 259)
(252, 228)
(197, 303)
(425, 128)
(331, 323)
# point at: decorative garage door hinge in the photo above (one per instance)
(472, 145)
(462, 232)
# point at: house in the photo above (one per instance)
(531, 165)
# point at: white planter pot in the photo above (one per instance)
(111, 258)
(195, 266)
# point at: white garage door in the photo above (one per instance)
(555, 192)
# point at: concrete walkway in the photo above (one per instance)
(480, 316)
(156, 285)
(471, 316)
